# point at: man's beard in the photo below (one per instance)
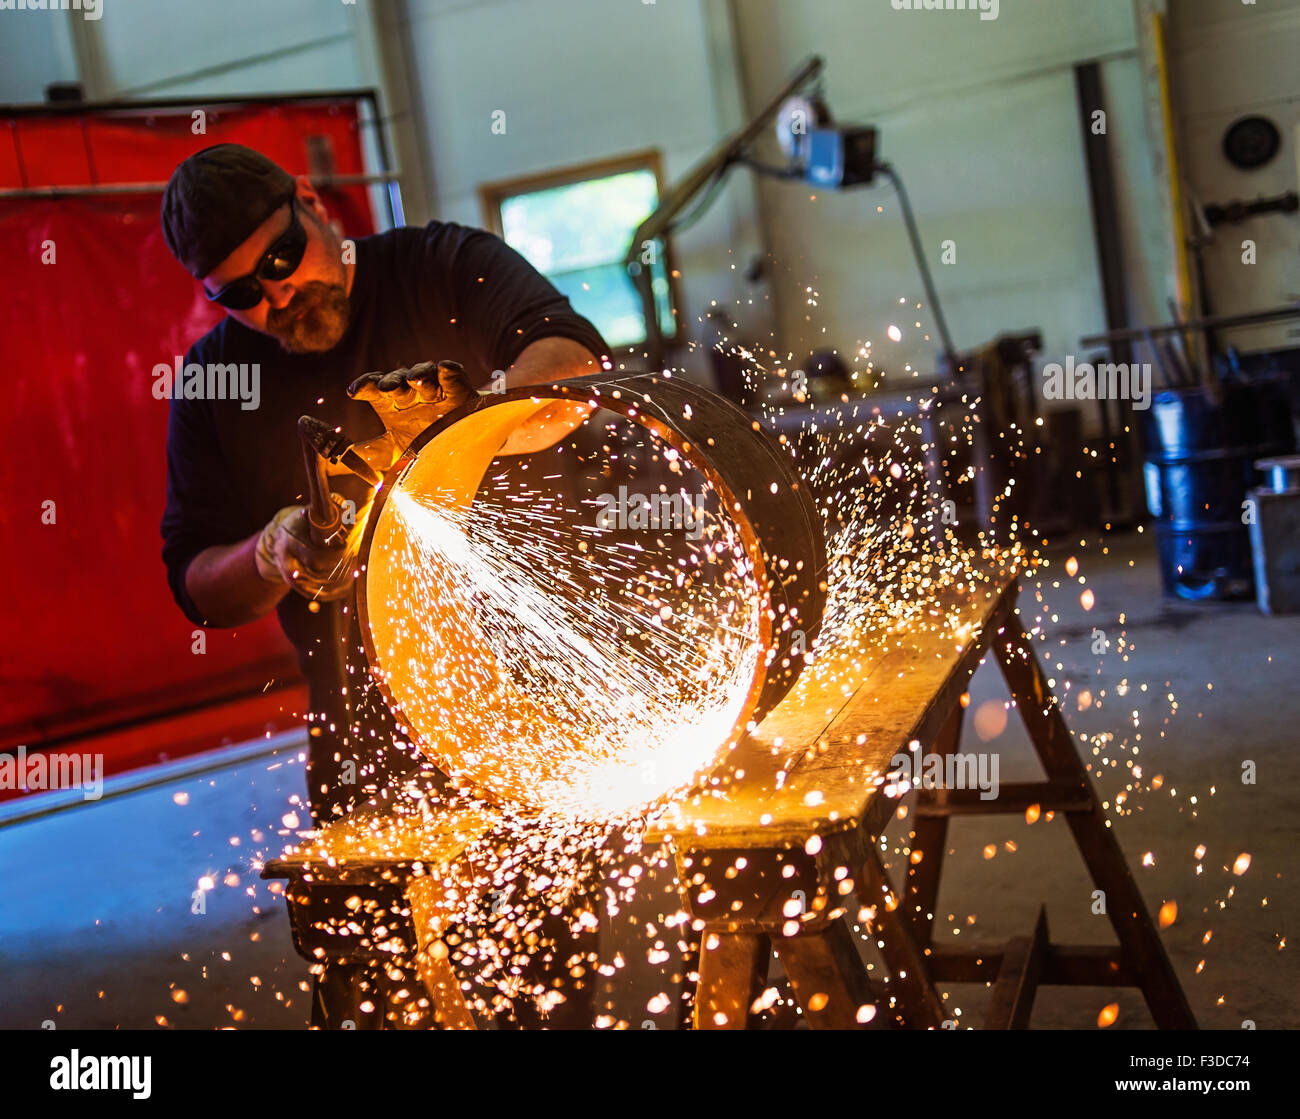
(323, 324)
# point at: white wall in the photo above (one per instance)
(35, 50)
(980, 119)
(584, 80)
(978, 116)
(158, 48)
(1228, 61)
(578, 79)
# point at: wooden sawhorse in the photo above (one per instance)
(363, 899)
(776, 861)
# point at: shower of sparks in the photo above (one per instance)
(598, 675)
(568, 676)
(577, 678)
(614, 670)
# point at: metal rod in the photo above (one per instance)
(1160, 361)
(1104, 206)
(90, 190)
(699, 176)
(1189, 349)
(145, 106)
(396, 214)
(714, 165)
(1250, 318)
(927, 281)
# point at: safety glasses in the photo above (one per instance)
(279, 263)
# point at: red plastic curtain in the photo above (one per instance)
(92, 301)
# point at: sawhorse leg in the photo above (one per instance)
(339, 992)
(930, 840)
(733, 970)
(828, 977)
(1139, 941)
(919, 1004)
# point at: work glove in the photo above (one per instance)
(408, 401)
(287, 553)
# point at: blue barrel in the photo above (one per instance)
(1200, 462)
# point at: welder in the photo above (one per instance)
(346, 331)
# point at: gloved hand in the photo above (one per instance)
(408, 401)
(286, 553)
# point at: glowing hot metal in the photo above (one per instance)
(552, 667)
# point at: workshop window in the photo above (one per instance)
(575, 226)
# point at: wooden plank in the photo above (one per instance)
(828, 977)
(733, 969)
(1012, 1002)
(921, 893)
(814, 765)
(378, 842)
(1097, 843)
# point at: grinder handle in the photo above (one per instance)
(324, 517)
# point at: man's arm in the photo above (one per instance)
(216, 584)
(551, 359)
(224, 583)
(213, 584)
(543, 362)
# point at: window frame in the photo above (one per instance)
(492, 194)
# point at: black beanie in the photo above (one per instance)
(214, 201)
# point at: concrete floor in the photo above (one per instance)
(96, 928)
(1233, 675)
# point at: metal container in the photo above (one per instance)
(765, 498)
(1275, 536)
(1201, 452)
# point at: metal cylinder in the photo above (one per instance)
(1281, 474)
(765, 498)
(1200, 463)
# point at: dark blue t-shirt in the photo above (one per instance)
(444, 292)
